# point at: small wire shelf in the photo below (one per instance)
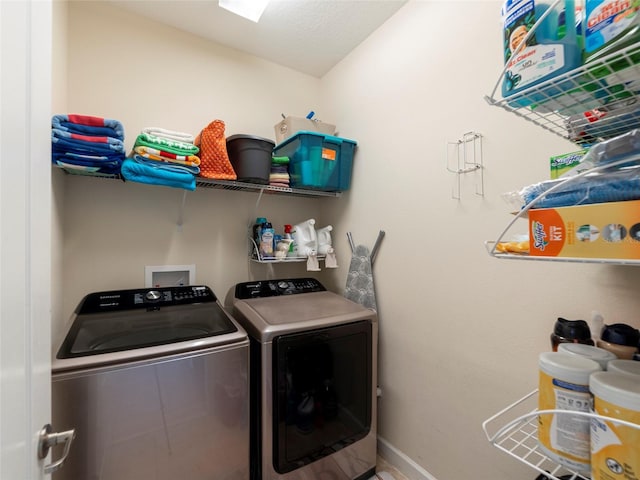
(517, 435)
(492, 246)
(595, 102)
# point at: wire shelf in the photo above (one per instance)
(518, 435)
(224, 185)
(595, 102)
(491, 246)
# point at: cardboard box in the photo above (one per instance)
(600, 230)
(561, 165)
(292, 125)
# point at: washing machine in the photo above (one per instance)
(155, 384)
(313, 380)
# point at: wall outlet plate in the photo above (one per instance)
(169, 275)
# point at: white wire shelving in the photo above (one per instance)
(517, 435)
(234, 185)
(257, 257)
(593, 103)
(491, 246)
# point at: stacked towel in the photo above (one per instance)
(163, 157)
(279, 176)
(87, 144)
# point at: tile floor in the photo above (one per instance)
(383, 466)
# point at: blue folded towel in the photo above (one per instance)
(88, 125)
(616, 186)
(152, 175)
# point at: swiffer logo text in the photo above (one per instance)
(539, 236)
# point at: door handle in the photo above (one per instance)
(47, 439)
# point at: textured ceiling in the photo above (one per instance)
(310, 36)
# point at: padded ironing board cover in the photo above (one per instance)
(360, 279)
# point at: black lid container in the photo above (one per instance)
(570, 331)
(250, 157)
(620, 334)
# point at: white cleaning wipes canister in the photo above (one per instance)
(564, 385)
(630, 367)
(615, 447)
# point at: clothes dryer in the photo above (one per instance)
(313, 380)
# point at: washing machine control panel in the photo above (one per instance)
(145, 298)
(274, 288)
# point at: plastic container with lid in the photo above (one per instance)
(570, 331)
(621, 339)
(600, 355)
(564, 385)
(614, 446)
(629, 367)
(318, 161)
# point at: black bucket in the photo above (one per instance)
(250, 157)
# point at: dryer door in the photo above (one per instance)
(322, 392)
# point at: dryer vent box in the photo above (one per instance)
(169, 275)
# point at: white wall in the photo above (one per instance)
(145, 74)
(460, 332)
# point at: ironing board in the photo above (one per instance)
(360, 286)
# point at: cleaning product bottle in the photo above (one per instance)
(304, 238)
(255, 234)
(609, 25)
(324, 239)
(266, 240)
(287, 236)
(552, 49)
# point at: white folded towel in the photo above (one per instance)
(169, 134)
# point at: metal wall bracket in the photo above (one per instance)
(465, 156)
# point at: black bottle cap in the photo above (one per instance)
(620, 334)
(572, 329)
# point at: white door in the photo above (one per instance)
(25, 231)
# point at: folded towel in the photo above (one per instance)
(279, 177)
(138, 172)
(615, 186)
(87, 124)
(161, 155)
(169, 134)
(167, 165)
(84, 143)
(279, 184)
(280, 160)
(173, 146)
(106, 165)
(86, 170)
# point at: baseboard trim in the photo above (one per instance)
(402, 462)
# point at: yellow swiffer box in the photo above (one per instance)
(600, 230)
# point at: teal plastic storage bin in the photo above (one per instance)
(318, 161)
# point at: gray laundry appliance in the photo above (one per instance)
(313, 380)
(155, 384)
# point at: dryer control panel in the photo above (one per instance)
(274, 288)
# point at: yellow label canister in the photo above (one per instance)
(615, 448)
(564, 385)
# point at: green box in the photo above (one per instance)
(562, 164)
